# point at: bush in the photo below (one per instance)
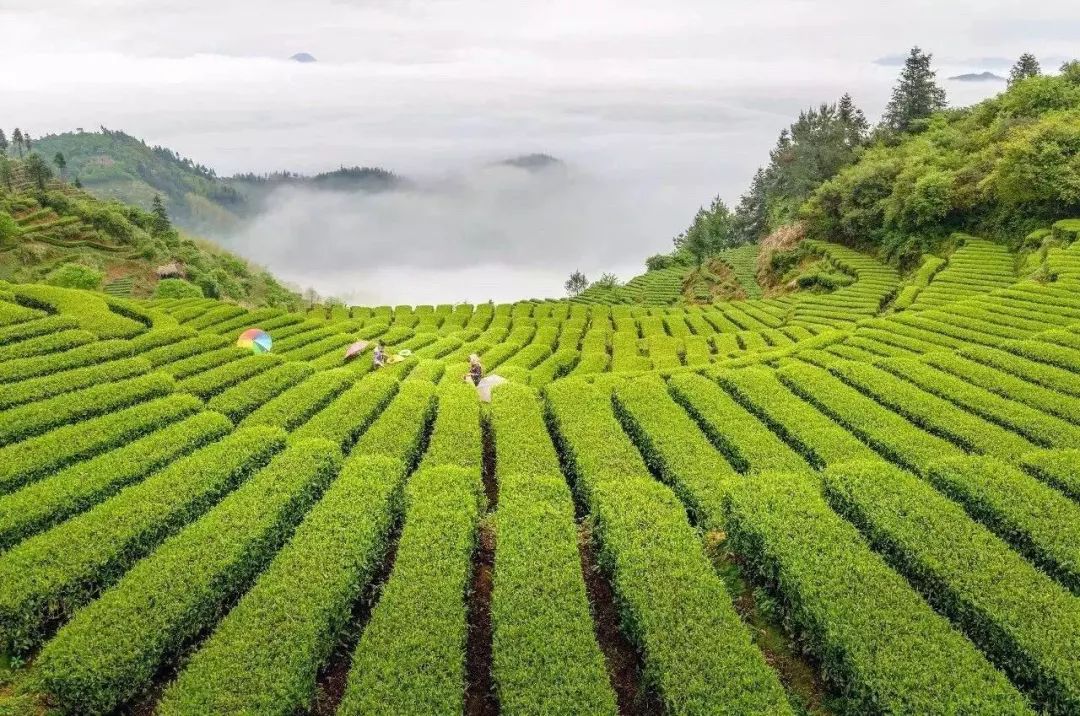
(1042, 429)
(58, 342)
(456, 438)
(400, 431)
(89, 310)
(1026, 623)
(1035, 238)
(824, 280)
(176, 288)
(251, 394)
(745, 441)
(675, 449)
(39, 456)
(9, 228)
(1048, 376)
(47, 577)
(112, 649)
(1060, 468)
(818, 439)
(658, 262)
(296, 405)
(32, 329)
(931, 413)
(351, 413)
(74, 489)
(877, 426)
(36, 389)
(1066, 230)
(545, 655)
(84, 355)
(607, 280)
(210, 383)
(70, 408)
(699, 655)
(75, 276)
(853, 612)
(411, 655)
(1040, 522)
(265, 656)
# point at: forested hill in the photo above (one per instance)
(113, 165)
(999, 169)
(53, 232)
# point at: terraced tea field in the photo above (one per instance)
(863, 501)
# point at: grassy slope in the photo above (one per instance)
(65, 225)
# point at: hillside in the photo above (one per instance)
(855, 501)
(113, 165)
(1000, 169)
(66, 236)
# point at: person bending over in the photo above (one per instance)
(476, 370)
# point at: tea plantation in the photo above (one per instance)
(861, 501)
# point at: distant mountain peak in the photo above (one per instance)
(978, 77)
(303, 57)
(532, 161)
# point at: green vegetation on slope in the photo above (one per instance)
(113, 165)
(664, 428)
(1000, 169)
(50, 231)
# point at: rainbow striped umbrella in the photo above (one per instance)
(256, 339)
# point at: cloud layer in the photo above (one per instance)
(655, 107)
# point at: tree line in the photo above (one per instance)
(814, 148)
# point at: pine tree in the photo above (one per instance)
(853, 120)
(160, 224)
(3, 142)
(751, 220)
(60, 163)
(1026, 66)
(916, 96)
(38, 170)
(26, 141)
(17, 140)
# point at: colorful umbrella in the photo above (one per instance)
(356, 349)
(256, 339)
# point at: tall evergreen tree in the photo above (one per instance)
(917, 94)
(821, 142)
(853, 120)
(60, 163)
(26, 141)
(751, 220)
(1026, 66)
(3, 142)
(17, 140)
(161, 224)
(38, 170)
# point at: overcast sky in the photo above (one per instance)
(654, 106)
